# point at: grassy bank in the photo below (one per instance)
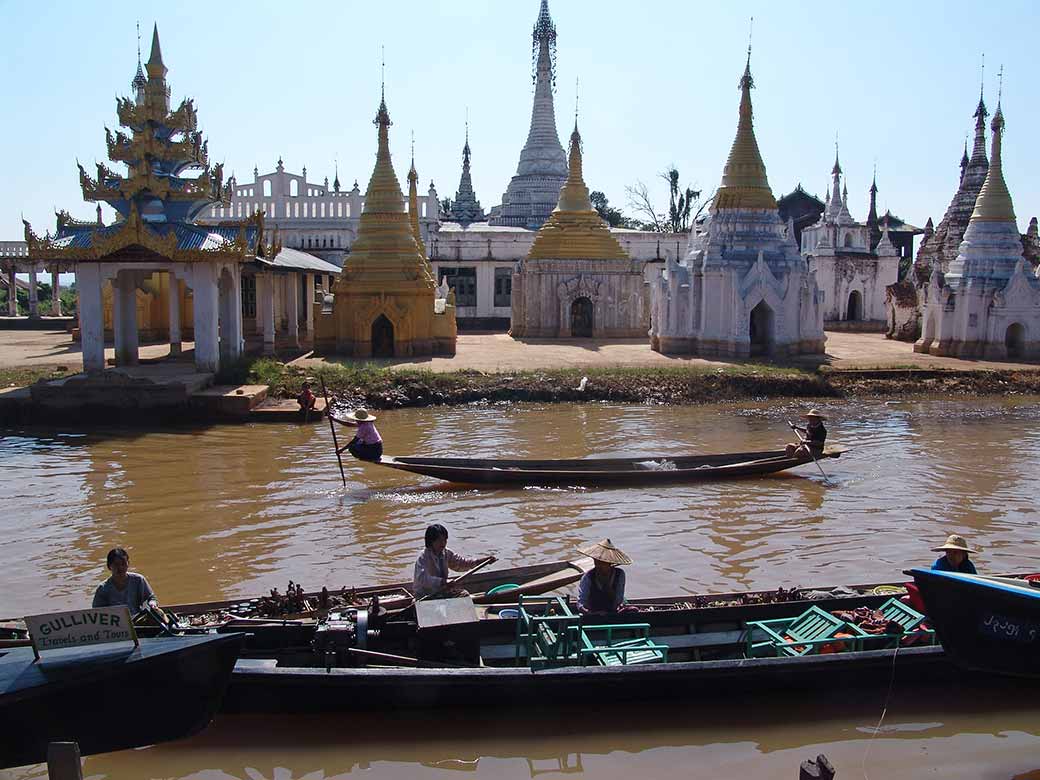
(388, 388)
(20, 377)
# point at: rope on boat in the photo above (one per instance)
(884, 711)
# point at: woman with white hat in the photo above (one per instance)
(367, 444)
(815, 435)
(601, 590)
(955, 556)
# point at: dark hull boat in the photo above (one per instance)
(93, 695)
(707, 646)
(647, 470)
(989, 624)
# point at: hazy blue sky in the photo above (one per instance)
(898, 84)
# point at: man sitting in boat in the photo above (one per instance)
(601, 590)
(815, 434)
(432, 567)
(367, 444)
(124, 586)
(955, 556)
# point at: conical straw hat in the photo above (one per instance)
(605, 551)
(954, 542)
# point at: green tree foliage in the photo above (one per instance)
(611, 215)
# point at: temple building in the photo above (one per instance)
(534, 190)
(743, 288)
(386, 303)
(986, 302)
(577, 281)
(315, 218)
(852, 271)
(156, 206)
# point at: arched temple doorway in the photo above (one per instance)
(760, 330)
(1015, 340)
(854, 311)
(382, 337)
(581, 318)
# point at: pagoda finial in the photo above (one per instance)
(335, 182)
(744, 181)
(994, 201)
(155, 67)
(873, 182)
(577, 86)
(543, 40)
(412, 175)
(837, 165)
(382, 115)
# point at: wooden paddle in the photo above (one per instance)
(811, 453)
(457, 580)
(332, 427)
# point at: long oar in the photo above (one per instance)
(811, 453)
(457, 580)
(332, 427)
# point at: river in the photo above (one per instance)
(218, 512)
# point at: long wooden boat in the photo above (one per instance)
(645, 470)
(89, 695)
(989, 624)
(708, 655)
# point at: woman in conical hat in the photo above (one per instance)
(601, 590)
(954, 555)
(367, 444)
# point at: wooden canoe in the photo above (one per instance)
(645, 470)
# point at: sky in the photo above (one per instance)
(897, 86)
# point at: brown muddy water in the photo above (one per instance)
(235, 510)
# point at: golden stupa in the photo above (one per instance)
(994, 201)
(577, 281)
(575, 230)
(384, 297)
(744, 182)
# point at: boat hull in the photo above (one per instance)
(262, 687)
(93, 696)
(647, 470)
(984, 624)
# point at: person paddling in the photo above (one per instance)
(955, 556)
(432, 567)
(601, 590)
(367, 444)
(815, 435)
(124, 586)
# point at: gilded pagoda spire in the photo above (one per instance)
(413, 202)
(744, 182)
(994, 201)
(385, 251)
(575, 229)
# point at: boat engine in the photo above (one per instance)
(339, 632)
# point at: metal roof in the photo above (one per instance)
(295, 260)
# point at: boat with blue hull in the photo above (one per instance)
(989, 624)
(92, 695)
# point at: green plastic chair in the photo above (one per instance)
(797, 636)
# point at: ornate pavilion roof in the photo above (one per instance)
(155, 202)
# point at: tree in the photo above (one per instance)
(611, 215)
(680, 216)
(680, 203)
(639, 201)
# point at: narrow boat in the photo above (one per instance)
(452, 653)
(645, 470)
(93, 695)
(989, 624)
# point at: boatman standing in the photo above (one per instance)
(367, 444)
(432, 567)
(124, 586)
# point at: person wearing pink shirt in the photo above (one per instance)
(367, 444)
